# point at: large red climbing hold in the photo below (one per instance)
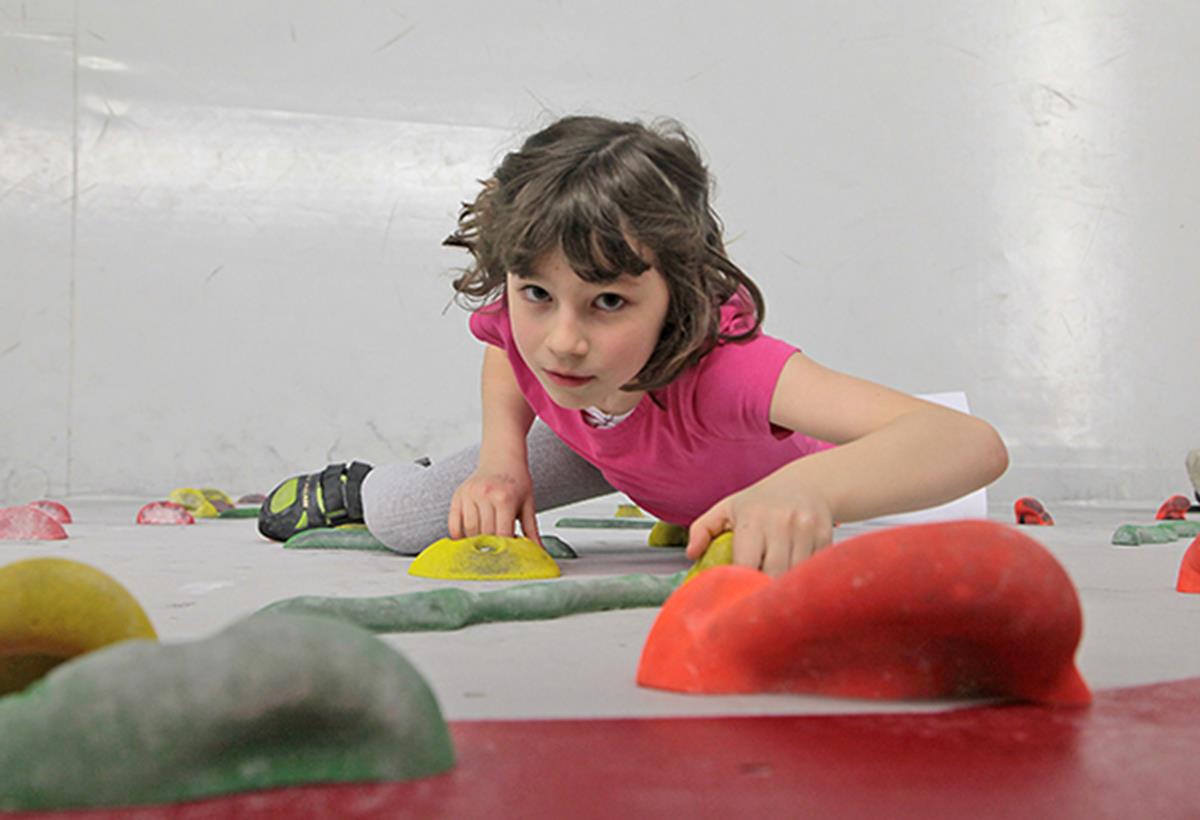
(29, 524)
(1031, 511)
(1173, 509)
(1189, 569)
(952, 609)
(55, 510)
(164, 512)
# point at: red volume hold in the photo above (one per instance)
(952, 609)
(1189, 569)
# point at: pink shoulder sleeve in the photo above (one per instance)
(735, 385)
(490, 324)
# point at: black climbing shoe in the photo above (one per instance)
(325, 499)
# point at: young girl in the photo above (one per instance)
(624, 352)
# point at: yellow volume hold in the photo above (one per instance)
(52, 609)
(484, 558)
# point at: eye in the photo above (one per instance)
(535, 294)
(610, 302)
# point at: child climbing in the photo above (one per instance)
(625, 352)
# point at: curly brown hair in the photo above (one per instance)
(587, 185)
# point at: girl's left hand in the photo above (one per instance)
(774, 525)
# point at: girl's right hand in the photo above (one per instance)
(490, 502)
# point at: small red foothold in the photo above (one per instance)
(164, 512)
(53, 509)
(1189, 569)
(29, 524)
(1031, 511)
(1173, 509)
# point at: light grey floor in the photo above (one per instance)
(195, 580)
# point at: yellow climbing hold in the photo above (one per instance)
(629, 511)
(484, 558)
(218, 498)
(667, 535)
(52, 609)
(194, 500)
(719, 553)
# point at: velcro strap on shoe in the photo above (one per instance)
(355, 474)
(334, 495)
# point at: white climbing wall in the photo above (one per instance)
(220, 222)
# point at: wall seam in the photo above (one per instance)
(74, 217)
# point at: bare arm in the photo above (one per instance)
(500, 491)
(897, 453)
(507, 417)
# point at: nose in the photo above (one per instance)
(567, 339)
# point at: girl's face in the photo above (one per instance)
(582, 340)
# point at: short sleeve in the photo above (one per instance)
(490, 324)
(734, 387)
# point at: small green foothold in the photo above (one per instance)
(451, 608)
(335, 538)
(667, 535)
(1182, 529)
(1164, 533)
(558, 548)
(606, 523)
(1126, 536)
(239, 512)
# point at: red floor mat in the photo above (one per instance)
(1133, 753)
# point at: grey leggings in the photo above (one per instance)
(406, 505)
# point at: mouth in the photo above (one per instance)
(566, 379)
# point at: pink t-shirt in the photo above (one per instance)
(713, 439)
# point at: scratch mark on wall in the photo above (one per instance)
(1095, 229)
(375, 432)
(1070, 103)
(546, 109)
(396, 39)
(73, 199)
(16, 185)
(108, 119)
(387, 231)
(1110, 60)
(215, 271)
(8, 350)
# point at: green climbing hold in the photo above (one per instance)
(239, 512)
(346, 537)
(452, 608)
(1131, 535)
(1182, 529)
(271, 701)
(558, 548)
(614, 523)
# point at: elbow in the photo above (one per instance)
(993, 458)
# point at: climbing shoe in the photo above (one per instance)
(326, 499)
